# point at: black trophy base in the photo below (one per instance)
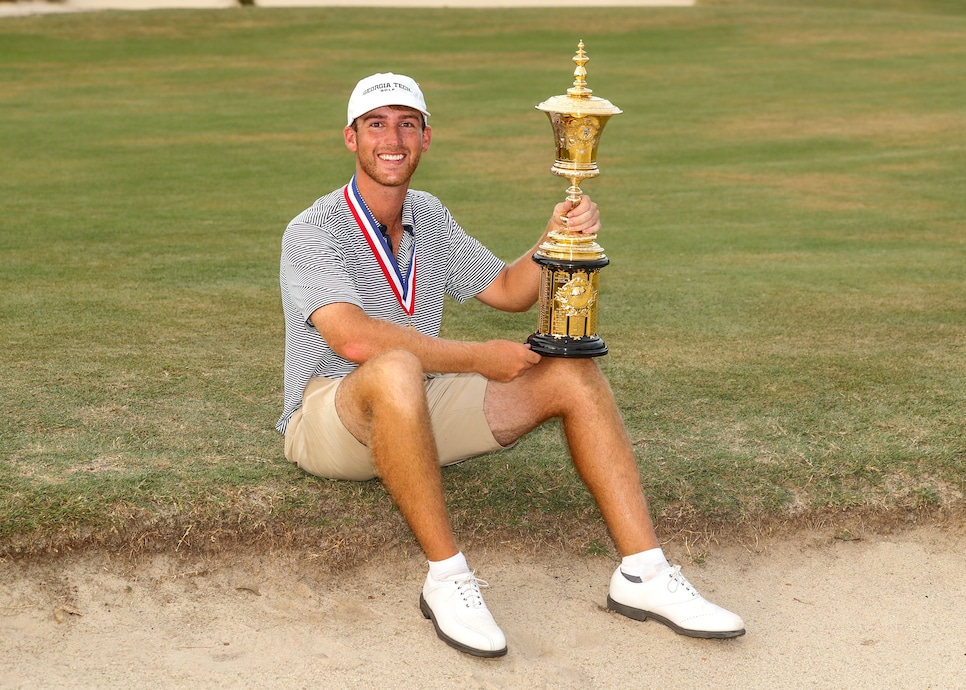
(565, 346)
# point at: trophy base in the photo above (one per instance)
(565, 346)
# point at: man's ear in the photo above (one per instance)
(427, 137)
(349, 135)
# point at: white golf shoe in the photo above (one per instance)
(669, 598)
(460, 616)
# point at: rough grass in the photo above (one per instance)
(784, 307)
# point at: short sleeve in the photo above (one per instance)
(314, 269)
(473, 267)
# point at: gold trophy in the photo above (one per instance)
(569, 262)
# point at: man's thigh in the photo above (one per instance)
(318, 442)
(548, 390)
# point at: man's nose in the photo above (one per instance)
(395, 135)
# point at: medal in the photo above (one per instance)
(404, 287)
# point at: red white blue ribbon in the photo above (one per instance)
(404, 287)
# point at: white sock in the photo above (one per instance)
(454, 565)
(645, 564)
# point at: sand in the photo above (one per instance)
(876, 611)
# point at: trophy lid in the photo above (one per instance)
(579, 100)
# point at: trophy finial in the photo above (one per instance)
(580, 74)
(577, 118)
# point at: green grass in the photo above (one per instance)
(784, 211)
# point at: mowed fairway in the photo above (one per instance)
(784, 200)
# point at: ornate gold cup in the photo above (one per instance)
(570, 262)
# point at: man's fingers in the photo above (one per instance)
(584, 217)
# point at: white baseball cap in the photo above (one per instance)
(385, 89)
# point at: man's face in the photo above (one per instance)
(388, 143)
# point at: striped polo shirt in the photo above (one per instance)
(326, 259)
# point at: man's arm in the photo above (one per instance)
(516, 288)
(357, 337)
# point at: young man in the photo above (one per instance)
(372, 391)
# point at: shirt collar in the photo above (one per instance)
(407, 219)
(406, 228)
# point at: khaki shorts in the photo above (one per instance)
(317, 441)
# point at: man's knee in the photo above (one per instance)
(394, 376)
(570, 372)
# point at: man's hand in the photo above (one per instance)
(504, 360)
(584, 218)
(515, 289)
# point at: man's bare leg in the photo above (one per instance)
(576, 391)
(383, 404)
(644, 585)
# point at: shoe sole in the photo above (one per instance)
(455, 644)
(642, 615)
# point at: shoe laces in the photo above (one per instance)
(468, 587)
(677, 580)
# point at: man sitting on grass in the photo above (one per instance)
(372, 391)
